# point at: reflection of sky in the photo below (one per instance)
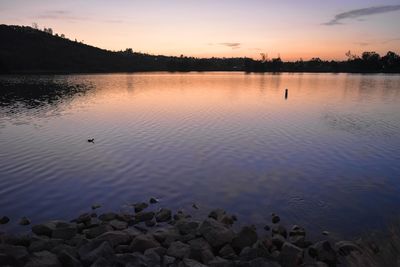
(219, 28)
(326, 155)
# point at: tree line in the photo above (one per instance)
(31, 50)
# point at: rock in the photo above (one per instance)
(344, 248)
(163, 215)
(275, 219)
(227, 252)
(297, 230)
(323, 251)
(267, 228)
(132, 260)
(64, 232)
(186, 227)
(84, 218)
(159, 250)
(94, 222)
(248, 254)
(144, 216)
(118, 225)
(140, 206)
(153, 200)
(206, 256)
(216, 214)
(298, 240)
(191, 263)
(98, 230)
(132, 232)
(198, 247)
(143, 242)
(24, 221)
(216, 233)
(4, 220)
(122, 249)
(15, 255)
(178, 250)
(280, 230)
(278, 241)
(108, 216)
(220, 262)
(68, 260)
(44, 229)
(163, 233)
(167, 260)
(180, 216)
(65, 248)
(221, 216)
(152, 257)
(114, 238)
(96, 206)
(16, 240)
(101, 262)
(43, 259)
(125, 217)
(262, 262)
(44, 244)
(150, 223)
(95, 250)
(291, 255)
(245, 238)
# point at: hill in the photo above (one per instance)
(29, 50)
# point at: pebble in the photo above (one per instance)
(4, 220)
(153, 200)
(24, 221)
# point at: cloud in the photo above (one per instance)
(390, 40)
(363, 12)
(59, 15)
(362, 43)
(231, 45)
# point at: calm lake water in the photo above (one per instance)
(327, 158)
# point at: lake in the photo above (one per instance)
(326, 158)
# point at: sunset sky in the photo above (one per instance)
(223, 28)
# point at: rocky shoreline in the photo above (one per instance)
(153, 236)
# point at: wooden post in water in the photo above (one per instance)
(286, 93)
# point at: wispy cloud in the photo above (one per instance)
(231, 45)
(363, 12)
(59, 15)
(390, 40)
(69, 16)
(362, 43)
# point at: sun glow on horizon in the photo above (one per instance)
(288, 29)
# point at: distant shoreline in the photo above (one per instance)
(25, 50)
(189, 71)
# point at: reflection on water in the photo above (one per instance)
(326, 158)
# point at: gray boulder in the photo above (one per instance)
(291, 255)
(114, 238)
(216, 234)
(94, 250)
(178, 250)
(245, 238)
(191, 263)
(344, 248)
(144, 216)
(163, 215)
(118, 225)
(43, 259)
(143, 242)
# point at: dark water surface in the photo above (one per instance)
(327, 158)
